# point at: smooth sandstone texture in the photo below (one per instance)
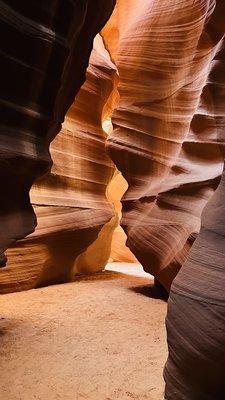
(196, 309)
(39, 78)
(165, 138)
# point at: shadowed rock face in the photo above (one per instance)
(167, 126)
(196, 313)
(44, 57)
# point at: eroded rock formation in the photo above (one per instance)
(44, 59)
(166, 126)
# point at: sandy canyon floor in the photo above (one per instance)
(99, 338)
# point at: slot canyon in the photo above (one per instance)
(112, 249)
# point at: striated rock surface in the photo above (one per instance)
(40, 76)
(166, 137)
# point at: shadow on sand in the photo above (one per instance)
(152, 291)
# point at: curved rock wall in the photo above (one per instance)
(40, 77)
(165, 127)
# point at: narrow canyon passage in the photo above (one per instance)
(101, 338)
(112, 121)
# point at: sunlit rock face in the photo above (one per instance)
(167, 127)
(119, 251)
(45, 54)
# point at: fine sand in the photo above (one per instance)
(99, 338)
